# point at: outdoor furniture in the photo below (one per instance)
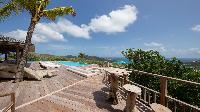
(38, 74)
(42, 66)
(113, 88)
(46, 65)
(159, 108)
(114, 74)
(133, 92)
(114, 85)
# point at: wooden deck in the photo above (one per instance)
(66, 92)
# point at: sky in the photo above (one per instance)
(106, 27)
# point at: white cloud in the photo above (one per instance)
(115, 21)
(18, 34)
(155, 46)
(55, 31)
(194, 50)
(45, 30)
(196, 28)
(52, 31)
(65, 26)
(21, 35)
(60, 47)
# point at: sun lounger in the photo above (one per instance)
(38, 74)
(46, 65)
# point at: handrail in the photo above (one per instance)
(12, 104)
(141, 86)
(168, 78)
(151, 96)
(194, 107)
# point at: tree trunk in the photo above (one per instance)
(21, 65)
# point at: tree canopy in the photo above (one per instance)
(35, 7)
(81, 55)
(152, 62)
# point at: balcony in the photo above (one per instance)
(69, 92)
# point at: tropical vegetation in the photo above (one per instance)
(152, 62)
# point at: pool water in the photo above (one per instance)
(71, 63)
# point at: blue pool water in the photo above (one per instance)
(71, 63)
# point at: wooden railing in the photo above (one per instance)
(149, 96)
(11, 106)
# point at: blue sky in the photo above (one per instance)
(106, 27)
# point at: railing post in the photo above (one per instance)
(13, 101)
(6, 56)
(163, 90)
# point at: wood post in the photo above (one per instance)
(163, 90)
(6, 56)
(17, 56)
(145, 95)
(13, 101)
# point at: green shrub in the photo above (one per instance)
(152, 62)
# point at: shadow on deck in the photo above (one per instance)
(101, 103)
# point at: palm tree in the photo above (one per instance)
(81, 55)
(36, 8)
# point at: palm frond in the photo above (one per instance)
(9, 7)
(7, 10)
(59, 11)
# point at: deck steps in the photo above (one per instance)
(29, 90)
(72, 93)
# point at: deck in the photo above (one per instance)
(66, 92)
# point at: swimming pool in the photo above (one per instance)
(71, 63)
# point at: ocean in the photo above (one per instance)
(125, 61)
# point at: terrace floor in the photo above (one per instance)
(66, 92)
